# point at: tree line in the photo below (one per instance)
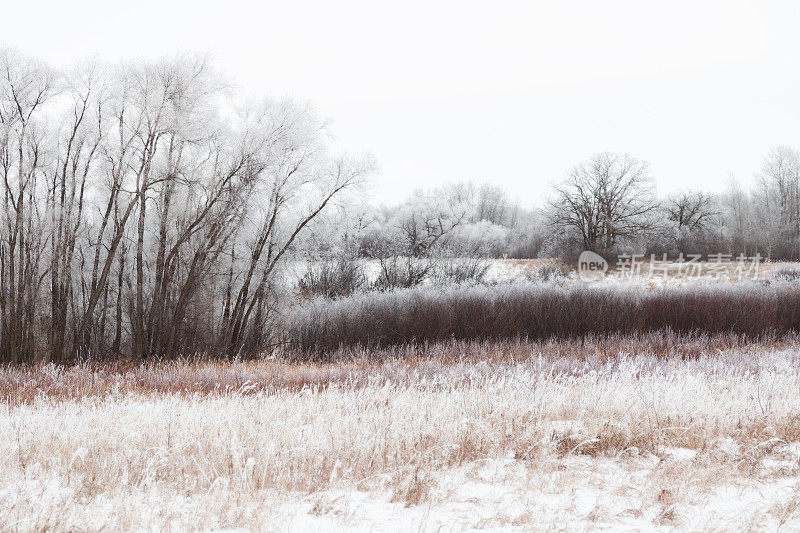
(146, 208)
(149, 210)
(607, 204)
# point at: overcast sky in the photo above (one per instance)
(514, 93)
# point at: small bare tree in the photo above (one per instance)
(413, 238)
(690, 210)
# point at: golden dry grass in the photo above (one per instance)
(530, 442)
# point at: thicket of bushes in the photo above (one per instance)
(332, 279)
(538, 311)
(346, 275)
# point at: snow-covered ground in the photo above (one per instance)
(627, 493)
(646, 273)
(636, 442)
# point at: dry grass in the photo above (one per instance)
(319, 445)
(353, 366)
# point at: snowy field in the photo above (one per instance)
(645, 273)
(518, 442)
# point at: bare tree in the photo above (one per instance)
(284, 215)
(738, 218)
(777, 201)
(690, 210)
(77, 151)
(605, 200)
(26, 88)
(492, 204)
(143, 215)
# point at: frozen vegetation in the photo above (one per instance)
(538, 311)
(203, 326)
(513, 437)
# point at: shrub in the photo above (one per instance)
(332, 279)
(547, 273)
(788, 274)
(537, 311)
(408, 272)
(466, 270)
(401, 272)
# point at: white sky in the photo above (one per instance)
(514, 93)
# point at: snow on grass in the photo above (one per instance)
(629, 442)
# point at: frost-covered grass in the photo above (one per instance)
(528, 440)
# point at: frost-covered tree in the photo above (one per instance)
(147, 210)
(605, 201)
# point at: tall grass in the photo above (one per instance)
(353, 366)
(154, 460)
(540, 311)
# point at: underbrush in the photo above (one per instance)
(537, 311)
(353, 366)
(346, 275)
(332, 279)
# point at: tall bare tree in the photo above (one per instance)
(26, 88)
(143, 215)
